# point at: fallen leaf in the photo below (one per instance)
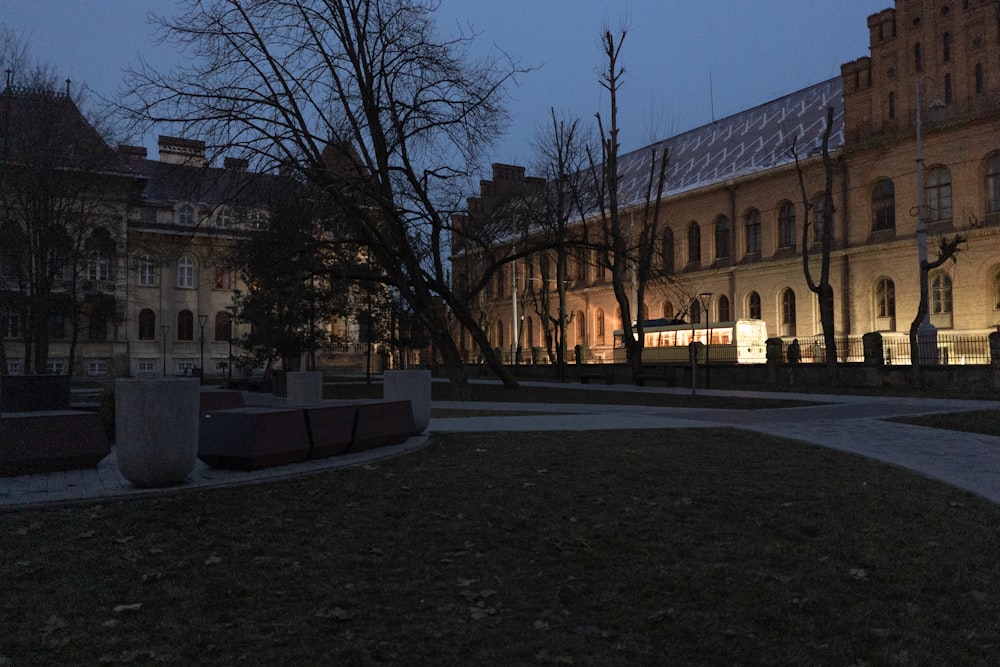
(858, 573)
(127, 607)
(213, 559)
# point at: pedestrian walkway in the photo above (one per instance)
(849, 423)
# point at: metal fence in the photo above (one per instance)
(952, 349)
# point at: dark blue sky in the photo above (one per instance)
(751, 50)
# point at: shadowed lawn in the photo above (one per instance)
(986, 422)
(632, 548)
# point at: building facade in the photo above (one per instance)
(734, 206)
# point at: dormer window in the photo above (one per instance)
(224, 219)
(185, 215)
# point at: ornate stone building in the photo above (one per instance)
(734, 210)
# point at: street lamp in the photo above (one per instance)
(164, 329)
(705, 298)
(202, 321)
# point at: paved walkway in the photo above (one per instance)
(849, 423)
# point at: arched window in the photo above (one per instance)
(996, 291)
(884, 205)
(185, 215)
(581, 327)
(885, 304)
(667, 250)
(946, 47)
(599, 325)
(529, 332)
(788, 312)
(753, 306)
(694, 243)
(819, 217)
(668, 310)
(185, 325)
(786, 225)
(147, 271)
(147, 324)
(723, 237)
(941, 294)
(723, 309)
(185, 273)
(993, 184)
(752, 230)
(937, 194)
(223, 326)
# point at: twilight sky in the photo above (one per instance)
(752, 51)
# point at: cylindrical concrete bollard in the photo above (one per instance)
(156, 429)
(412, 386)
(304, 387)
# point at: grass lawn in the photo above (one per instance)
(694, 547)
(986, 422)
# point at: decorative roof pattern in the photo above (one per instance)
(744, 143)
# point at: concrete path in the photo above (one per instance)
(849, 423)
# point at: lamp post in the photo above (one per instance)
(705, 298)
(164, 329)
(202, 321)
(926, 332)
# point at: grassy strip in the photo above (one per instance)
(985, 422)
(691, 547)
(496, 393)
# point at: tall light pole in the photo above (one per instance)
(202, 321)
(705, 299)
(164, 330)
(926, 332)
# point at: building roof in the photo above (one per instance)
(744, 143)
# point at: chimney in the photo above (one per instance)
(188, 152)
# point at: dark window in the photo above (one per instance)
(918, 60)
(667, 250)
(788, 313)
(147, 324)
(10, 322)
(223, 326)
(940, 294)
(223, 277)
(695, 311)
(694, 243)
(753, 306)
(723, 309)
(723, 234)
(993, 184)
(937, 194)
(753, 231)
(885, 298)
(185, 325)
(892, 106)
(979, 77)
(786, 225)
(884, 205)
(946, 47)
(819, 218)
(947, 88)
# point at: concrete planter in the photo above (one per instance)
(304, 387)
(156, 423)
(412, 386)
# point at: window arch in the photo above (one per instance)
(937, 194)
(993, 183)
(185, 215)
(599, 325)
(753, 306)
(941, 294)
(185, 325)
(185, 272)
(885, 303)
(788, 312)
(752, 231)
(667, 250)
(147, 324)
(786, 225)
(695, 311)
(819, 217)
(722, 309)
(223, 326)
(723, 237)
(529, 332)
(668, 310)
(694, 243)
(884, 205)
(147, 271)
(996, 291)
(581, 327)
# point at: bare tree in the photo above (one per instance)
(948, 249)
(822, 288)
(367, 85)
(627, 248)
